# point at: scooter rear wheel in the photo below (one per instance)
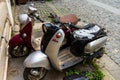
(34, 73)
(99, 54)
(18, 51)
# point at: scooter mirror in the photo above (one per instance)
(32, 4)
(36, 15)
(32, 9)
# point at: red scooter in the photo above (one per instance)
(21, 44)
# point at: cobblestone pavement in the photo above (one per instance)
(91, 13)
(114, 3)
(42, 9)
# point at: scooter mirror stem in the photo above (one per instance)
(79, 19)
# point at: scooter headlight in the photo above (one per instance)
(58, 35)
(24, 35)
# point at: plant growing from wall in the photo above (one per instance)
(12, 33)
(49, 0)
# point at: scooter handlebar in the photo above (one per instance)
(40, 19)
(37, 17)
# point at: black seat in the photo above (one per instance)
(90, 31)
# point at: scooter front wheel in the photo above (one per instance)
(18, 51)
(34, 73)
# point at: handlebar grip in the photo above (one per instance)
(51, 15)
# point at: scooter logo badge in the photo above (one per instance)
(55, 40)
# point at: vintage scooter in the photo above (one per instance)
(22, 43)
(85, 43)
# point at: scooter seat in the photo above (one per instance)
(71, 18)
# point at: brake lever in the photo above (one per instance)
(66, 25)
(50, 16)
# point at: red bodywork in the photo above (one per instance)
(20, 40)
(16, 41)
(68, 32)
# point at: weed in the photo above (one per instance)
(89, 75)
(97, 74)
(72, 72)
(12, 33)
(94, 74)
(103, 50)
(49, 0)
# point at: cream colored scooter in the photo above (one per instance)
(84, 42)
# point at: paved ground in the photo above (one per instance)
(103, 12)
(15, 72)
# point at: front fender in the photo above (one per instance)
(16, 41)
(37, 59)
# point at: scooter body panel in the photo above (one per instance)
(26, 33)
(37, 59)
(67, 59)
(95, 45)
(60, 59)
(53, 47)
(16, 40)
(24, 37)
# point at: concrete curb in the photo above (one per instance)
(110, 68)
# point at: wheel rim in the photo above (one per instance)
(41, 74)
(20, 51)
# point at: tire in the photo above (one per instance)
(89, 59)
(29, 76)
(99, 54)
(18, 51)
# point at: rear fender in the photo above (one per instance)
(37, 59)
(16, 41)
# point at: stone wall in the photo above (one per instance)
(3, 16)
(5, 33)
